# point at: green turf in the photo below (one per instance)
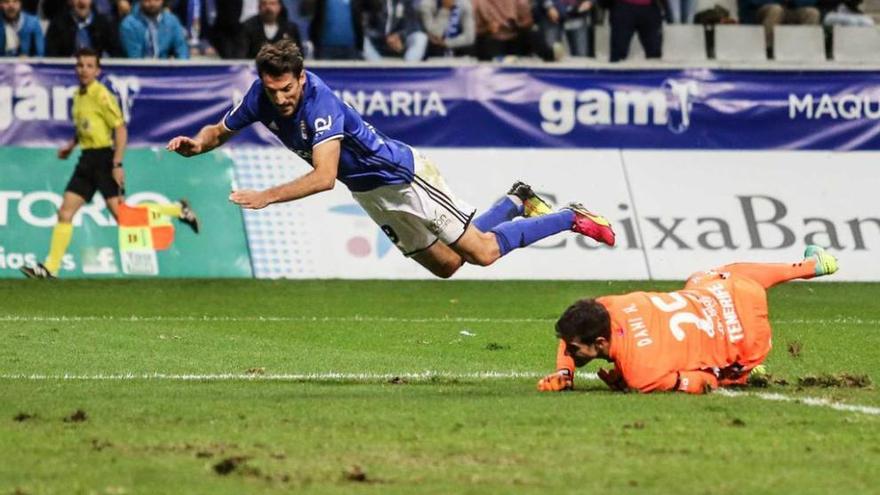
(444, 433)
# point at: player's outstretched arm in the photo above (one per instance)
(325, 160)
(210, 137)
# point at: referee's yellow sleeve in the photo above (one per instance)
(110, 111)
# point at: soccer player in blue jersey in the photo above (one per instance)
(401, 190)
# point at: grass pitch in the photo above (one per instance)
(387, 387)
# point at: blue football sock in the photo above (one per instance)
(521, 233)
(503, 210)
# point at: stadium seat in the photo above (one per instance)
(856, 44)
(738, 43)
(799, 43)
(684, 42)
(602, 42)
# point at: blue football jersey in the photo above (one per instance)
(368, 159)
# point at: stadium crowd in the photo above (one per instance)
(411, 30)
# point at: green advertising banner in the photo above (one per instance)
(32, 183)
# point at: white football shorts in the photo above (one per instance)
(416, 215)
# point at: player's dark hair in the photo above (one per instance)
(88, 52)
(279, 58)
(585, 321)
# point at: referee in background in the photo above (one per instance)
(101, 133)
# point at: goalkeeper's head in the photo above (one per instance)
(585, 327)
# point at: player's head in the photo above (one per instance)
(11, 8)
(280, 66)
(586, 329)
(152, 8)
(88, 65)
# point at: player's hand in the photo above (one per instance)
(184, 146)
(612, 378)
(119, 176)
(553, 15)
(556, 382)
(65, 151)
(248, 198)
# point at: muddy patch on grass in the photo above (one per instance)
(398, 381)
(229, 465)
(99, 445)
(839, 380)
(23, 416)
(495, 346)
(77, 416)
(795, 348)
(356, 474)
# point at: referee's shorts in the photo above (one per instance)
(94, 172)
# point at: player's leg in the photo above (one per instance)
(62, 233)
(520, 200)
(439, 259)
(817, 262)
(180, 210)
(485, 248)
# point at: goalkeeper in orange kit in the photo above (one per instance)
(712, 333)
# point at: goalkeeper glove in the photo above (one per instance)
(557, 382)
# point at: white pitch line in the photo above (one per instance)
(357, 318)
(809, 401)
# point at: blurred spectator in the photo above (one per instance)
(450, 26)
(268, 26)
(337, 29)
(566, 17)
(393, 30)
(501, 25)
(21, 34)
(681, 11)
(80, 27)
(293, 9)
(773, 12)
(642, 17)
(151, 32)
(844, 13)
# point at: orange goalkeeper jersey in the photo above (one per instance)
(715, 328)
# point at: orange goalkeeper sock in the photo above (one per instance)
(770, 274)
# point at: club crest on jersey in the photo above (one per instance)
(302, 130)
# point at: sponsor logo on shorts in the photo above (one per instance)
(392, 235)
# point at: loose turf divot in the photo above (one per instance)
(229, 465)
(356, 474)
(397, 381)
(840, 380)
(22, 416)
(636, 425)
(78, 416)
(495, 346)
(737, 422)
(795, 348)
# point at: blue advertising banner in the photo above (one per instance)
(487, 106)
